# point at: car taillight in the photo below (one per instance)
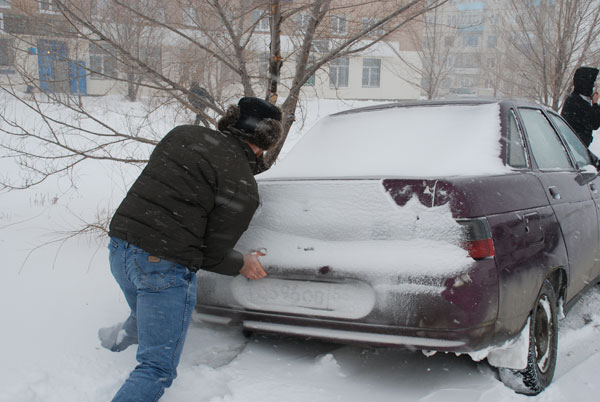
(477, 237)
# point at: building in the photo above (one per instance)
(43, 50)
(468, 42)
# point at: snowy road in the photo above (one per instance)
(54, 306)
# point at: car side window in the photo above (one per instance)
(577, 148)
(546, 146)
(515, 152)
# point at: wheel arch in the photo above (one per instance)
(558, 279)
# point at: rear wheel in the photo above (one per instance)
(542, 352)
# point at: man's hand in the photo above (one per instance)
(252, 268)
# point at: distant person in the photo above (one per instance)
(200, 99)
(185, 212)
(581, 109)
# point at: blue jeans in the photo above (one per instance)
(161, 295)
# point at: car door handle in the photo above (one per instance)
(554, 192)
(531, 216)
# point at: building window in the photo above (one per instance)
(309, 63)
(263, 65)
(319, 46)
(491, 62)
(7, 53)
(190, 17)
(466, 60)
(48, 6)
(310, 82)
(369, 22)
(470, 20)
(260, 18)
(470, 40)
(103, 65)
(161, 14)
(302, 21)
(448, 41)
(467, 82)
(491, 41)
(452, 21)
(371, 73)
(339, 25)
(152, 56)
(225, 74)
(4, 3)
(339, 70)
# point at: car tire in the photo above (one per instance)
(542, 352)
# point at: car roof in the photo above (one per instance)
(444, 102)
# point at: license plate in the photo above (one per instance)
(349, 299)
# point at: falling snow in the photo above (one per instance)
(54, 299)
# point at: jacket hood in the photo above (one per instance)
(583, 80)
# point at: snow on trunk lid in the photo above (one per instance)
(353, 226)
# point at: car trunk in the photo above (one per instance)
(347, 249)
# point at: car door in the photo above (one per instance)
(589, 176)
(569, 196)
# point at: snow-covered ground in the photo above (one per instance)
(56, 294)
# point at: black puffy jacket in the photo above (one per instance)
(193, 200)
(582, 116)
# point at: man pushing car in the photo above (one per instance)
(185, 212)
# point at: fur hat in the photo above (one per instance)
(254, 120)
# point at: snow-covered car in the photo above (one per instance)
(459, 226)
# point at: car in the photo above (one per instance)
(465, 226)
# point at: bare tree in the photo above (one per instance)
(543, 42)
(135, 39)
(434, 41)
(219, 40)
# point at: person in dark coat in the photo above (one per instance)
(581, 109)
(200, 99)
(185, 212)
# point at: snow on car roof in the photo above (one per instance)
(417, 141)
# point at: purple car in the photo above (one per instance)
(458, 226)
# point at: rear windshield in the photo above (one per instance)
(420, 141)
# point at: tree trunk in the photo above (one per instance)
(275, 61)
(287, 119)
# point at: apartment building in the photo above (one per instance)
(41, 50)
(375, 73)
(468, 40)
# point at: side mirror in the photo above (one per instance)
(586, 174)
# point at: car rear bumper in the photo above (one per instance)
(456, 340)
(446, 313)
